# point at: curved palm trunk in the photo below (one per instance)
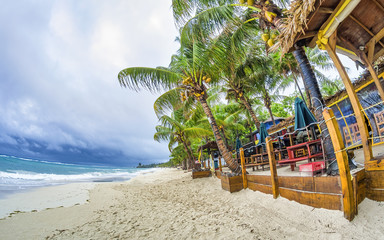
(225, 137)
(190, 159)
(184, 164)
(267, 103)
(232, 164)
(247, 105)
(193, 160)
(318, 101)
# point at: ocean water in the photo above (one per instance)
(21, 174)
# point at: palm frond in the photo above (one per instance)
(151, 79)
(168, 101)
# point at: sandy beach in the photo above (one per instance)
(169, 204)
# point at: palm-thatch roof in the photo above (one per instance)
(360, 31)
(285, 124)
(294, 23)
(209, 145)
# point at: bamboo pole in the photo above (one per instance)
(243, 169)
(220, 166)
(342, 163)
(367, 147)
(374, 75)
(272, 167)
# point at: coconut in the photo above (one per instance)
(265, 37)
(270, 42)
(270, 16)
(250, 2)
(208, 80)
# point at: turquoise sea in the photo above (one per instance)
(21, 174)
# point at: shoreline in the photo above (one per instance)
(169, 204)
(53, 196)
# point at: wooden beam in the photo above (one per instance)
(332, 41)
(378, 5)
(272, 167)
(325, 10)
(378, 54)
(307, 35)
(342, 163)
(371, 50)
(367, 148)
(365, 28)
(243, 169)
(377, 37)
(368, 60)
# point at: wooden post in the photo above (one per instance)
(220, 166)
(291, 139)
(367, 147)
(243, 169)
(272, 167)
(355, 185)
(373, 74)
(342, 163)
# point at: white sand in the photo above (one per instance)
(48, 197)
(170, 205)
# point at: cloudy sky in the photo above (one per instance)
(59, 94)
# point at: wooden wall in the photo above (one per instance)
(232, 184)
(201, 174)
(218, 174)
(375, 185)
(260, 183)
(319, 192)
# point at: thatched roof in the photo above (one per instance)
(211, 145)
(294, 23)
(361, 30)
(287, 122)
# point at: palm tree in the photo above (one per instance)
(178, 155)
(190, 74)
(174, 130)
(264, 81)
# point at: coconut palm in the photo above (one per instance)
(263, 80)
(174, 129)
(269, 16)
(190, 74)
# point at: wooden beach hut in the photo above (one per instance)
(372, 108)
(354, 28)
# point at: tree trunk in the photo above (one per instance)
(190, 162)
(225, 137)
(193, 160)
(318, 102)
(247, 105)
(267, 103)
(232, 164)
(184, 164)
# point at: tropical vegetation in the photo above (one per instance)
(224, 79)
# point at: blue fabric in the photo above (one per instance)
(238, 144)
(263, 133)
